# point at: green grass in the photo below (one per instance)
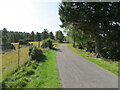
(35, 74)
(47, 74)
(106, 64)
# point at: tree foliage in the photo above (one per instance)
(35, 53)
(59, 36)
(45, 34)
(24, 42)
(95, 26)
(51, 36)
(6, 44)
(47, 43)
(23, 38)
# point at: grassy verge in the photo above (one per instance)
(35, 74)
(48, 73)
(106, 64)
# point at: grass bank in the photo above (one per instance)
(106, 64)
(34, 74)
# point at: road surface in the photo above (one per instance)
(77, 72)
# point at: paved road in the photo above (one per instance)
(77, 72)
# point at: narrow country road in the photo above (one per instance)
(77, 72)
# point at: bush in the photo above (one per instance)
(44, 44)
(20, 83)
(50, 44)
(30, 50)
(24, 41)
(80, 46)
(47, 43)
(30, 72)
(12, 46)
(35, 53)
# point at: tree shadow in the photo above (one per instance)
(56, 49)
(41, 58)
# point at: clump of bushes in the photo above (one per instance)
(47, 43)
(35, 53)
(24, 42)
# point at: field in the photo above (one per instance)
(10, 58)
(106, 64)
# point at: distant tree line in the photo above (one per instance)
(9, 37)
(16, 36)
(93, 26)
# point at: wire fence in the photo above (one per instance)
(0, 69)
(13, 58)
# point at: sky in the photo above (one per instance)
(29, 15)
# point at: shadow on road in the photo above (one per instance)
(58, 50)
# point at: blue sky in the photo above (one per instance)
(29, 15)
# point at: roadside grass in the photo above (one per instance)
(109, 65)
(47, 75)
(35, 74)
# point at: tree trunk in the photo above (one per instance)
(97, 46)
(38, 44)
(74, 41)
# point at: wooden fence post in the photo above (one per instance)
(18, 55)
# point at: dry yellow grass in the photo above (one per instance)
(0, 65)
(35, 43)
(10, 58)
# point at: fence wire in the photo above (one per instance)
(13, 58)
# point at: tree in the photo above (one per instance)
(38, 36)
(4, 32)
(51, 36)
(45, 34)
(94, 19)
(47, 43)
(84, 21)
(32, 36)
(6, 44)
(59, 36)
